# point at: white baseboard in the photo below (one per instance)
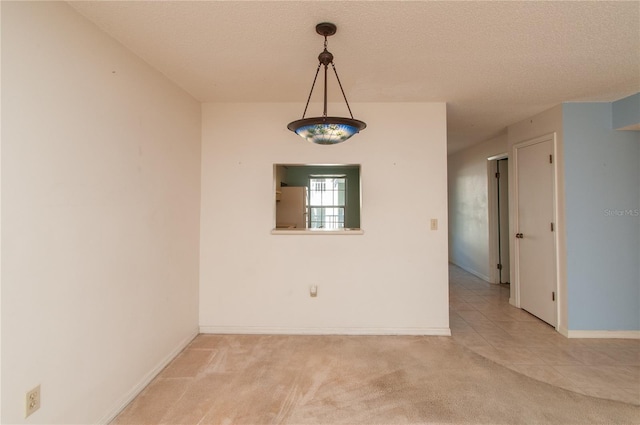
(601, 334)
(473, 272)
(323, 331)
(131, 394)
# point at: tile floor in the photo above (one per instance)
(483, 320)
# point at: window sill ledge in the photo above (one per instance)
(317, 232)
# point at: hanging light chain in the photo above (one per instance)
(325, 59)
(337, 78)
(311, 92)
(341, 89)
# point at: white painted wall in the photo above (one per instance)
(100, 213)
(468, 206)
(391, 279)
(547, 122)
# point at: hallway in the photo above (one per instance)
(482, 320)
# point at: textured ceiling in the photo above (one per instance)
(494, 63)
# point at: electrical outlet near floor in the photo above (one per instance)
(33, 401)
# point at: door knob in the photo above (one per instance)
(519, 235)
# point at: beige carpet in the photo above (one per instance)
(232, 379)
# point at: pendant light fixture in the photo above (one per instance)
(326, 130)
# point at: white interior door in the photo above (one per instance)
(535, 238)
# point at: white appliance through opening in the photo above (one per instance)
(291, 209)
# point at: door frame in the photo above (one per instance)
(492, 201)
(514, 225)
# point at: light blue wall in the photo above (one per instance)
(626, 111)
(602, 181)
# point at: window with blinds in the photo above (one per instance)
(327, 194)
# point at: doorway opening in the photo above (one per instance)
(498, 202)
(502, 183)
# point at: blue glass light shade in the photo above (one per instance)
(326, 130)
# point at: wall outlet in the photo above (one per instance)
(32, 401)
(434, 224)
(313, 290)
